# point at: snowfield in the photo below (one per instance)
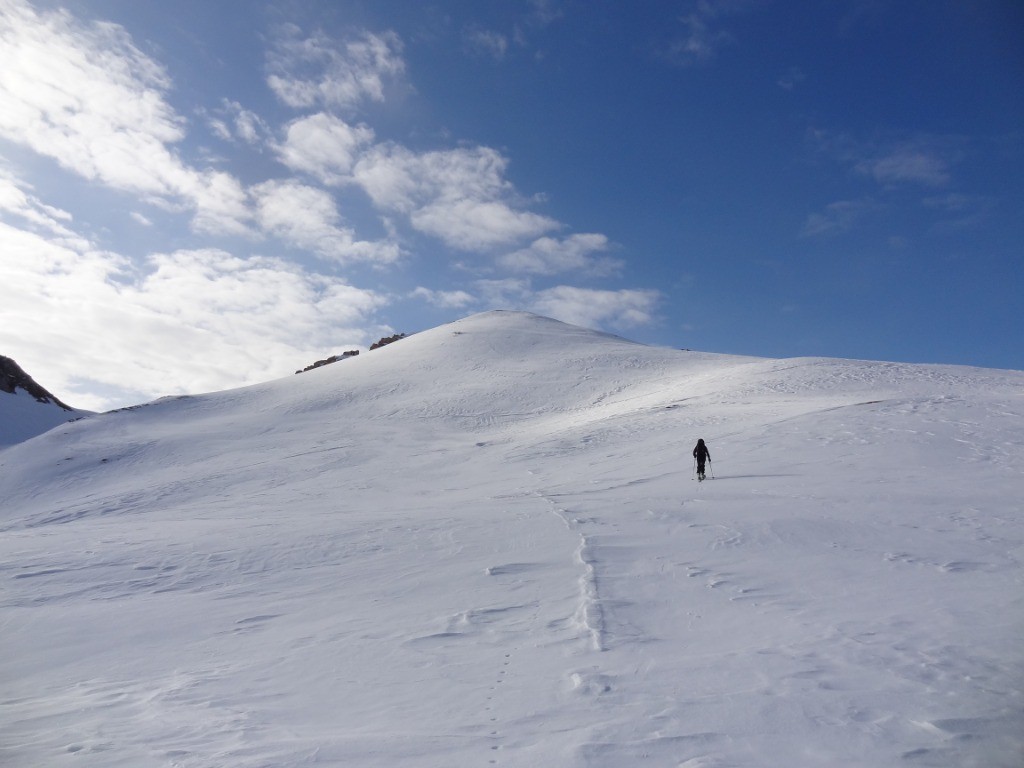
(22, 417)
(483, 545)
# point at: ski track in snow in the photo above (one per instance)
(482, 546)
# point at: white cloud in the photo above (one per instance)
(591, 308)
(85, 96)
(445, 299)
(323, 146)
(837, 217)
(307, 218)
(701, 39)
(906, 165)
(794, 76)
(220, 129)
(222, 204)
(17, 199)
(83, 321)
(486, 43)
(545, 11)
(318, 70)
(478, 224)
(459, 196)
(249, 126)
(921, 159)
(509, 293)
(233, 121)
(549, 256)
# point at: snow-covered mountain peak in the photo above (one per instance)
(484, 545)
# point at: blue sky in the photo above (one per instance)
(196, 196)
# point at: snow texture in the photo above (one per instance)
(483, 545)
(23, 417)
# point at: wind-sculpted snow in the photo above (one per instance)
(483, 545)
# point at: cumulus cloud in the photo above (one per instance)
(460, 196)
(549, 256)
(319, 70)
(85, 96)
(89, 321)
(307, 218)
(478, 224)
(323, 146)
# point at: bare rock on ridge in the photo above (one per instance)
(12, 378)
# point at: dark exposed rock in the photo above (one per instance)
(12, 378)
(352, 353)
(329, 360)
(387, 340)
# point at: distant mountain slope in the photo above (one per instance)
(484, 546)
(26, 408)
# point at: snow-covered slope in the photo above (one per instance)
(483, 545)
(26, 408)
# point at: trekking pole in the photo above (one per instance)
(711, 467)
(694, 475)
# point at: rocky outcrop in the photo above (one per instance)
(329, 360)
(352, 353)
(387, 340)
(13, 378)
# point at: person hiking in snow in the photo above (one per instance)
(701, 454)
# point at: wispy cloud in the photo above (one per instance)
(589, 307)
(545, 11)
(17, 200)
(485, 43)
(233, 122)
(321, 71)
(838, 217)
(897, 167)
(701, 35)
(923, 160)
(505, 293)
(906, 165)
(446, 299)
(794, 76)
